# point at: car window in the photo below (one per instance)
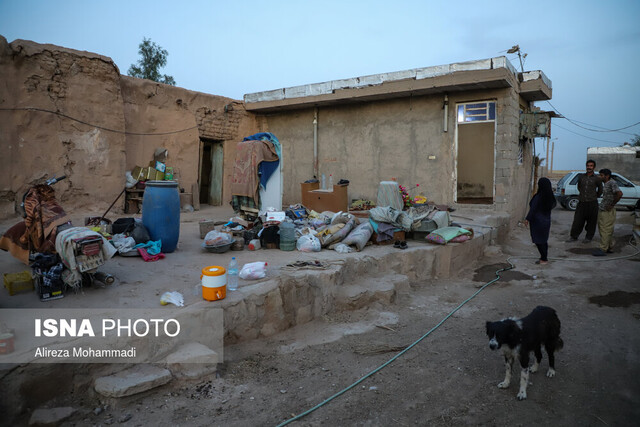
(563, 179)
(621, 181)
(575, 179)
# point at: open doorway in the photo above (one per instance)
(211, 172)
(475, 140)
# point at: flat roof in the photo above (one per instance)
(627, 149)
(464, 76)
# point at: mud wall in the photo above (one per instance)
(69, 112)
(56, 105)
(158, 115)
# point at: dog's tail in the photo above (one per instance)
(559, 344)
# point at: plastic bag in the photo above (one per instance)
(217, 238)
(308, 243)
(254, 270)
(342, 248)
(174, 298)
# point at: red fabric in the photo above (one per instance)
(149, 258)
(249, 154)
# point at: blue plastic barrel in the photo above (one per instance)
(161, 213)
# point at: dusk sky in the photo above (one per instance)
(590, 50)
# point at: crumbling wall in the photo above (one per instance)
(60, 113)
(64, 111)
(159, 115)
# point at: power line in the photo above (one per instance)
(588, 137)
(592, 130)
(626, 133)
(96, 126)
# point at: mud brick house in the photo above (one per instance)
(64, 111)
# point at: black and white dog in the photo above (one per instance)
(519, 337)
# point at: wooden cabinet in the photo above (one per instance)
(325, 200)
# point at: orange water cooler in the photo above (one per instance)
(214, 283)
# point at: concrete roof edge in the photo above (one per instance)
(629, 149)
(329, 87)
(536, 74)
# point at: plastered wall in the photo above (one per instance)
(376, 141)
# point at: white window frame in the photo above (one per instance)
(461, 117)
(495, 137)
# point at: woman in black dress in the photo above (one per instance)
(539, 217)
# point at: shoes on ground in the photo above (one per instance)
(598, 252)
(541, 262)
(586, 241)
(572, 239)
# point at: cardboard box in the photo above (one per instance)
(158, 176)
(168, 173)
(137, 173)
(160, 167)
(278, 216)
(148, 173)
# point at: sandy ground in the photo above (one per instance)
(450, 377)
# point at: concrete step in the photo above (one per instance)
(367, 290)
(131, 381)
(193, 361)
(50, 417)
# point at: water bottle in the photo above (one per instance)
(330, 182)
(232, 275)
(324, 183)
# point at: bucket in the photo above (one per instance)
(214, 283)
(161, 213)
(6, 343)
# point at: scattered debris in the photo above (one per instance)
(378, 349)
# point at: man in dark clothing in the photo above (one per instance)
(590, 188)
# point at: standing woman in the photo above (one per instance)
(539, 217)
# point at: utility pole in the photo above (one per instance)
(546, 160)
(553, 147)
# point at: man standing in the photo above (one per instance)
(611, 195)
(590, 188)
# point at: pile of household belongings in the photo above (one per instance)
(257, 158)
(431, 221)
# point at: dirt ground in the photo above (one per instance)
(450, 377)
